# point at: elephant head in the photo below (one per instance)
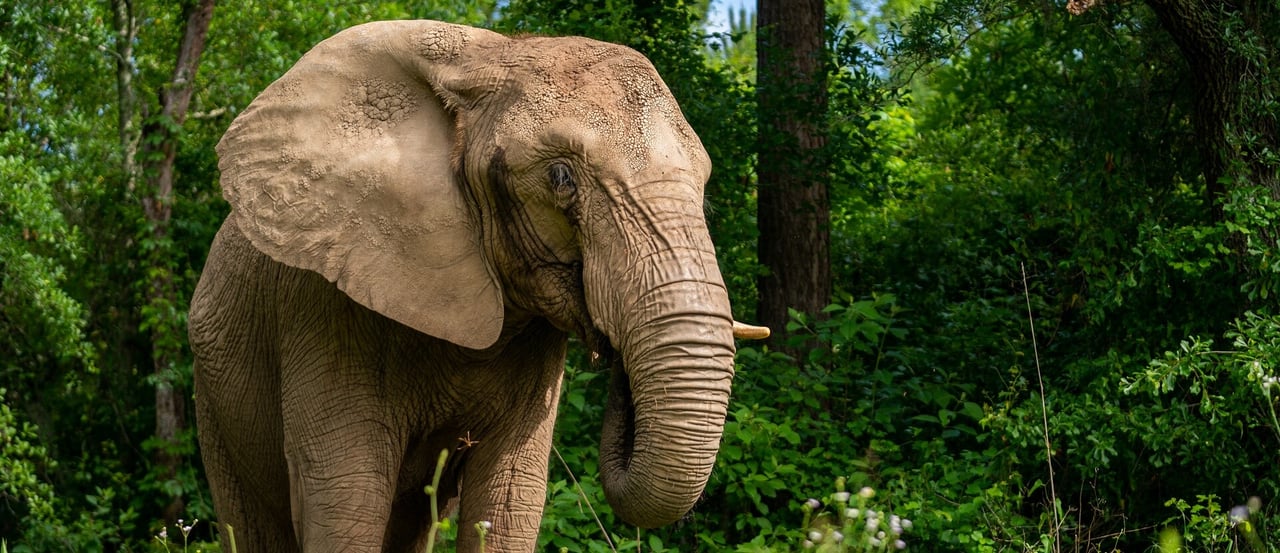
(450, 178)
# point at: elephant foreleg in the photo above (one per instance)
(504, 484)
(257, 513)
(341, 494)
(342, 459)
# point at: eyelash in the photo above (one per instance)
(564, 188)
(561, 177)
(562, 182)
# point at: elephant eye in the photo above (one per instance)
(562, 182)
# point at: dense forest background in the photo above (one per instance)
(1038, 245)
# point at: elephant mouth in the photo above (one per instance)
(621, 440)
(599, 344)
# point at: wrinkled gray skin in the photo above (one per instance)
(422, 214)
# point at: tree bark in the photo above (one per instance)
(794, 209)
(160, 137)
(1209, 33)
(126, 96)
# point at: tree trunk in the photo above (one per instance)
(160, 136)
(127, 98)
(794, 209)
(1234, 138)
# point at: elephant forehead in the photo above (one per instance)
(610, 92)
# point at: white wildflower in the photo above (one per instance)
(1239, 513)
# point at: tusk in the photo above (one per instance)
(744, 331)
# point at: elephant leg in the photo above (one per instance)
(342, 455)
(250, 498)
(257, 526)
(339, 488)
(504, 483)
(237, 397)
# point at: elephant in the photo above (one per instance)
(422, 214)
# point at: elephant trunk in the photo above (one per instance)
(668, 397)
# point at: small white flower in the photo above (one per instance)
(866, 492)
(842, 497)
(899, 544)
(1239, 514)
(852, 513)
(872, 541)
(815, 535)
(807, 544)
(837, 537)
(486, 525)
(906, 524)
(872, 524)
(880, 535)
(164, 533)
(870, 513)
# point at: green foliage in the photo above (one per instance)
(23, 491)
(1207, 527)
(1063, 146)
(575, 497)
(40, 323)
(1251, 219)
(105, 523)
(1217, 407)
(735, 47)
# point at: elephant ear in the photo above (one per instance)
(343, 167)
